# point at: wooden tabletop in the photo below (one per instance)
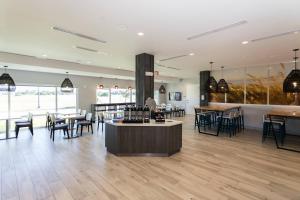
(217, 108)
(284, 113)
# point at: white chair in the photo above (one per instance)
(85, 123)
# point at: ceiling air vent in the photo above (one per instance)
(174, 57)
(223, 28)
(275, 36)
(78, 34)
(86, 49)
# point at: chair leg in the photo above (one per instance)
(81, 130)
(77, 128)
(88, 128)
(68, 133)
(92, 128)
(31, 130)
(53, 135)
(17, 131)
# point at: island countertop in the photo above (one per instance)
(168, 122)
(143, 139)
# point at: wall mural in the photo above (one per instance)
(256, 85)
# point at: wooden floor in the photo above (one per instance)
(207, 167)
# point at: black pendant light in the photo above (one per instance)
(222, 84)
(211, 85)
(291, 84)
(7, 84)
(67, 85)
(129, 88)
(116, 85)
(100, 86)
(162, 89)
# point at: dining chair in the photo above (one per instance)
(24, 124)
(100, 120)
(57, 120)
(57, 126)
(85, 123)
(278, 124)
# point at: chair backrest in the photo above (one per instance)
(236, 114)
(52, 118)
(88, 117)
(83, 112)
(29, 117)
(231, 114)
(197, 110)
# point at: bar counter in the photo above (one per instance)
(144, 139)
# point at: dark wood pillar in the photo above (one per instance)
(204, 94)
(144, 77)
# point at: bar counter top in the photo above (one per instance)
(168, 122)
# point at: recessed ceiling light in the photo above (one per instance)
(119, 67)
(140, 33)
(191, 54)
(44, 55)
(88, 62)
(296, 32)
(245, 42)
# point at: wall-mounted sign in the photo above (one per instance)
(148, 73)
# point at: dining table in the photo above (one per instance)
(286, 114)
(71, 119)
(7, 120)
(221, 109)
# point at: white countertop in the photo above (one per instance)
(168, 122)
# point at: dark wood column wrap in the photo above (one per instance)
(204, 94)
(144, 84)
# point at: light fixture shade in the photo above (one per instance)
(129, 88)
(7, 83)
(116, 87)
(100, 86)
(211, 85)
(222, 86)
(67, 85)
(291, 84)
(162, 89)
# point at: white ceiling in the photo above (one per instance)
(25, 28)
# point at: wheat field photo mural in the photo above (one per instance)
(256, 85)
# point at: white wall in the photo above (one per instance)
(190, 90)
(86, 85)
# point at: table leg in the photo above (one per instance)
(7, 128)
(220, 124)
(276, 142)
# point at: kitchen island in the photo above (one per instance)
(143, 139)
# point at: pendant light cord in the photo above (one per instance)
(222, 71)
(211, 63)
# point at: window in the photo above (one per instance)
(66, 101)
(102, 96)
(120, 95)
(113, 95)
(156, 96)
(3, 112)
(47, 99)
(133, 97)
(24, 100)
